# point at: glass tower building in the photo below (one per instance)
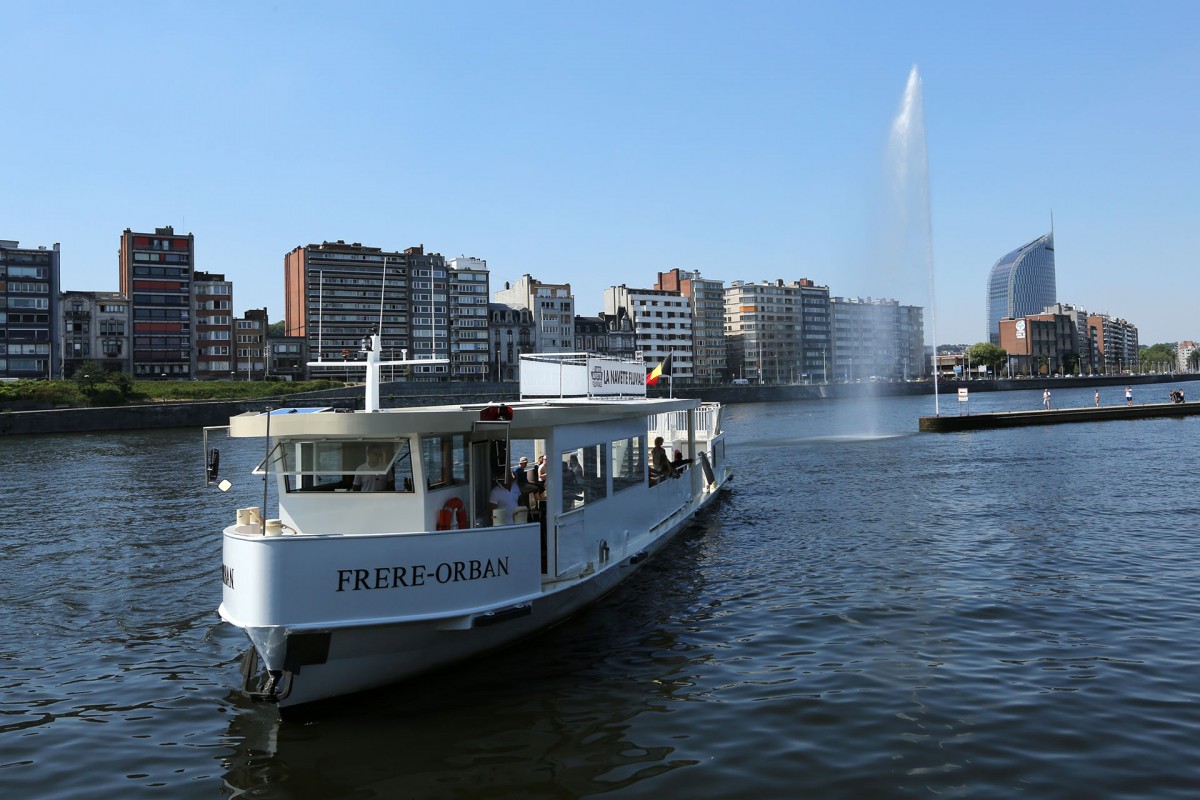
(1021, 283)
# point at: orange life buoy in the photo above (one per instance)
(453, 512)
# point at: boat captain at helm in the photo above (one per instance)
(503, 499)
(368, 478)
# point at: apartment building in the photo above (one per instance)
(336, 294)
(250, 343)
(607, 335)
(30, 339)
(287, 358)
(1039, 344)
(213, 326)
(777, 332)
(707, 300)
(662, 325)
(1183, 356)
(1116, 343)
(875, 338)
(553, 309)
(513, 333)
(95, 327)
(470, 343)
(156, 275)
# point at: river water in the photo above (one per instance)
(872, 612)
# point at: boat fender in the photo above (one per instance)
(708, 470)
(453, 516)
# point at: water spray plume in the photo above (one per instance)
(910, 173)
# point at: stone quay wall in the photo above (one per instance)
(200, 414)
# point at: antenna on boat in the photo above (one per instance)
(371, 346)
(266, 471)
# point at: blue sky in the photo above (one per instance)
(601, 143)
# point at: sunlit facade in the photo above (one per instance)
(1021, 283)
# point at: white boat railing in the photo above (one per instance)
(672, 424)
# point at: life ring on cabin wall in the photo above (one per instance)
(453, 512)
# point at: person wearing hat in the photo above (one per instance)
(525, 487)
(520, 476)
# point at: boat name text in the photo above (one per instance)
(354, 580)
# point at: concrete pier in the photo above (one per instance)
(1014, 419)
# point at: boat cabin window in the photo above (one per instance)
(375, 465)
(445, 460)
(584, 476)
(628, 463)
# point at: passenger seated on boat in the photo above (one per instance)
(660, 466)
(519, 474)
(679, 464)
(526, 487)
(368, 477)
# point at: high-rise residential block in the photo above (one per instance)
(29, 311)
(470, 343)
(336, 294)
(707, 300)
(1116, 343)
(777, 332)
(156, 275)
(662, 325)
(875, 338)
(213, 326)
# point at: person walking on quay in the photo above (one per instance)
(1097, 398)
(1128, 395)
(1046, 399)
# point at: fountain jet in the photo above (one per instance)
(909, 170)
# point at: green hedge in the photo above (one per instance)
(59, 393)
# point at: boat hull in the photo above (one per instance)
(321, 659)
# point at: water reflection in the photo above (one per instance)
(551, 717)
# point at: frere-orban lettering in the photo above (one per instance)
(355, 580)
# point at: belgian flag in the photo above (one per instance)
(662, 369)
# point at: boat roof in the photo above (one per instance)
(390, 422)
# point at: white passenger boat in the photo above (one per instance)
(346, 589)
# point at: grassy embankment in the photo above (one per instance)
(56, 394)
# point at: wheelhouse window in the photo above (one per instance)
(380, 465)
(445, 460)
(628, 463)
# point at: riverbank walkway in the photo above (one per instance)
(1016, 419)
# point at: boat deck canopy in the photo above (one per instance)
(527, 416)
